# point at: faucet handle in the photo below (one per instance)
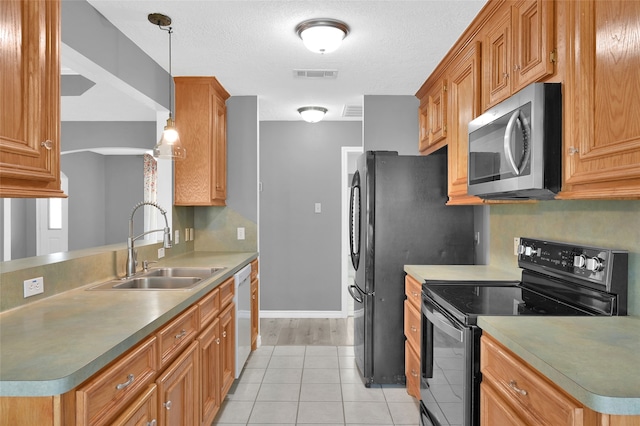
(146, 263)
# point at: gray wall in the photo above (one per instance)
(216, 226)
(124, 188)
(77, 135)
(391, 123)
(300, 165)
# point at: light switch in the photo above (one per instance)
(318, 208)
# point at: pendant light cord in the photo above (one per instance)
(170, 31)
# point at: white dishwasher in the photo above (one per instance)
(242, 299)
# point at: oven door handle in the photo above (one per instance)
(443, 324)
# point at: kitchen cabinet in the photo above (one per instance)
(464, 102)
(30, 99)
(105, 395)
(201, 178)
(175, 336)
(178, 390)
(433, 117)
(512, 392)
(227, 348)
(255, 306)
(142, 412)
(602, 101)
(412, 330)
(211, 385)
(518, 48)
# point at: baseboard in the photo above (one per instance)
(302, 314)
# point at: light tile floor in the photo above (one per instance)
(312, 385)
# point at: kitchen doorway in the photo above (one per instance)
(350, 155)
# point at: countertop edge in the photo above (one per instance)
(600, 403)
(61, 385)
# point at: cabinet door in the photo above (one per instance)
(142, 412)
(178, 392)
(219, 180)
(30, 99)
(602, 101)
(464, 101)
(412, 370)
(228, 350)
(255, 315)
(495, 411)
(496, 59)
(438, 113)
(423, 122)
(533, 41)
(210, 386)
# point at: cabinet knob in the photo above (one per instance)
(224, 334)
(153, 422)
(413, 328)
(505, 75)
(48, 144)
(167, 405)
(413, 373)
(218, 341)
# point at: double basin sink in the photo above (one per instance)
(179, 278)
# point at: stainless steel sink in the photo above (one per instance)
(182, 272)
(179, 278)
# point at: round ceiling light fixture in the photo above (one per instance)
(322, 35)
(312, 114)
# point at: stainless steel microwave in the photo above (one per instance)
(515, 147)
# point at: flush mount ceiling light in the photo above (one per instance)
(169, 145)
(312, 114)
(322, 35)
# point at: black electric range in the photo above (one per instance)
(557, 279)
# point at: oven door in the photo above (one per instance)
(450, 369)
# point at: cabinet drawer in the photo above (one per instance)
(412, 326)
(107, 393)
(142, 411)
(227, 290)
(412, 370)
(531, 394)
(413, 290)
(209, 307)
(176, 335)
(254, 269)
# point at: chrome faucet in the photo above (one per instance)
(132, 261)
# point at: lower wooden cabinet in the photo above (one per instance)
(228, 347)
(255, 305)
(412, 331)
(178, 390)
(142, 412)
(210, 365)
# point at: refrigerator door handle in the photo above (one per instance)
(352, 291)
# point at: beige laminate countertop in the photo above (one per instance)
(51, 346)
(462, 273)
(594, 359)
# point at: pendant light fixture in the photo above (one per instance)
(312, 114)
(322, 35)
(169, 145)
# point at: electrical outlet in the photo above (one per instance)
(33, 286)
(192, 234)
(160, 252)
(318, 208)
(186, 234)
(176, 239)
(241, 233)
(516, 244)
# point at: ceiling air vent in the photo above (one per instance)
(315, 73)
(352, 111)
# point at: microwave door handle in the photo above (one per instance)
(517, 170)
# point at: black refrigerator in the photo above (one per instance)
(398, 217)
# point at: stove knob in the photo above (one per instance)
(520, 249)
(579, 261)
(595, 264)
(528, 251)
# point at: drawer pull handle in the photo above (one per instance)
(130, 379)
(182, 334)
(413, 373)
(514, 385)
(167, 405)
(414, 294)
(413, 328)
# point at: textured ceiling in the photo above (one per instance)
(252, 48)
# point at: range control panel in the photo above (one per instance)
(595, 265)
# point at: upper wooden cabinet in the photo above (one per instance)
(433, 117)
(518, 48)
(30, 99)
(602, 101)
(201, 178)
